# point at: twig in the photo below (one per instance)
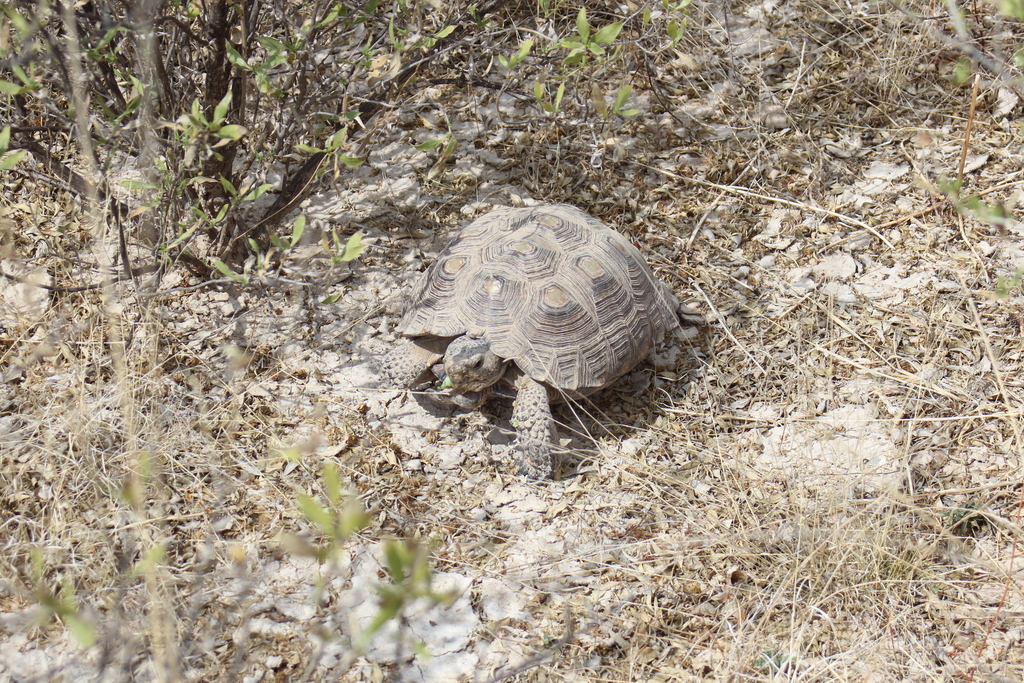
(777, 200)
(538, 658)
(295, 189)
(725, 328)
(967, 130)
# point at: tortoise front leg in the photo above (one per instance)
(531, 416)
(408, 364)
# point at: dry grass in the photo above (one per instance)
(786, 498)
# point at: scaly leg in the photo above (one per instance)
(531, 416)
(404, 366)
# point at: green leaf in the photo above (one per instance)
(315, 513)
(393, 36)
(398, 560)
(350, 162)
(949, 186)
(448, 143)
(332, 482)
(421, 572)
(232, 132)
(227, 272)
(307, 149)
(271, 45)
(331, 299)
(298, 227)
(575, 57)
(108, 36)
(228, 187)
(559, 94)
(338, 139)
(445, 32)
(608, 33)
(538, 91)
(257, 192)
(23, 77)
(139, 185)
(130, 107)
(197, 112)
(235, 58)
(221, 212)
(19, 21)
(519, 56)
(335, 12)
(263, 83)
(674, 31)
(389, 608)
(275, 60)
(8, 88)
(449, 146)
(11, 160)
(430, 145)
(5, 139)
(221, 110)
(962, 70)
(353, 519)
(621, 96)
(1012, 8)
(82, 631)
(581, 24)
(353, 248)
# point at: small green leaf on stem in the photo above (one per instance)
(608, 33)
(11, 160)
(316, 513)
(962, 71)
(236, 58)
(232, 132)
(581, 24)
(1012, 8)
(674, 31)
(221, 110)
(353, 248)
(298, 227)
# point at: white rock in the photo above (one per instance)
(846, 451)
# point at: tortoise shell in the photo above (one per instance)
(562, 294)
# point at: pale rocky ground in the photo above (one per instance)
(767, 499)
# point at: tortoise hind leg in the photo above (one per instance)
(531, 416)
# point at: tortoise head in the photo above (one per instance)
(471, 365)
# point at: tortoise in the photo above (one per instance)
(545, 301)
